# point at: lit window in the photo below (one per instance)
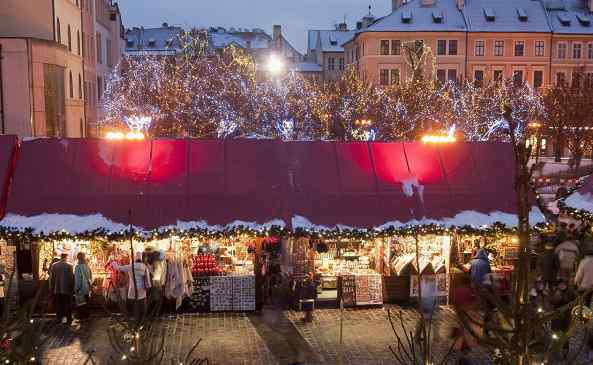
(577, 50)
(561, 50)
(499, 48)
(540, 49)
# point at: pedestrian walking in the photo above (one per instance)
(308, 296)
(83, 279)
(482, 284)
(61, 284)
(567, 254)
(584, 276)
(137, 293)
(427, 306)
(562, 295)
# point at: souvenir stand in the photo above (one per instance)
(192, 207)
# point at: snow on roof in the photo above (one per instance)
(465, 218)
(331, 40)
(306, 67)
(579, 200)
(570, 17)
(74, 224)
(505, 16)
(152, 39)
(255, 40)
(421, 18)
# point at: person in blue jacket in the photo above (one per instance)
(479, 274)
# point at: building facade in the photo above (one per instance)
(541, 42)
(42, 67)
(48, 62)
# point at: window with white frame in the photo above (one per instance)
(331, 64)
(540, 48)
(561, 52)
(341, 64)
(394, 76)
(577, 50)
(441, 47)
(560, 78)
(479, 48)
(396, 47)
(384, 77)
(499, 48)
(385, 47)
(519, 48)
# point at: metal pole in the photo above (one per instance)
(341, 320)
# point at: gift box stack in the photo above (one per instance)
(244, 293)
(221, 293)
(205, 265)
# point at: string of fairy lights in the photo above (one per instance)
(579, 214)
(16, 236)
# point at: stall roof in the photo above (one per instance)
(8, 149)
(84, 184)
(582, 199)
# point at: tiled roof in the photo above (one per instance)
(221, 38)
(152, 39)
(570, 16)
(414, 16)
(505, 16)
(331, 40)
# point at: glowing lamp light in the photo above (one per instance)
(438, 139)
(136, 136)
(275, 65)
(119, 136)
(115, 136)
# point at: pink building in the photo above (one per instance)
(44, 67)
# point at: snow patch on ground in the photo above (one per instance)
(580, 201)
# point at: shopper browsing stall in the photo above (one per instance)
(138, 273)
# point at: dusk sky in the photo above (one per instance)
(295, 16)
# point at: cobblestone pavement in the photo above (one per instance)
(226, 339)
(367, 335)
(268, 338)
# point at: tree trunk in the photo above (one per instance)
(558, 149)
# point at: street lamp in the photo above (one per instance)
(275, 65)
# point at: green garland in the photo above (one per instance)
(29, 236)
(579, 214)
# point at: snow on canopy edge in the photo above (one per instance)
(75, 224)
(465, 218)
(580, 201)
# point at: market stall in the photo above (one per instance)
(352, 214)
(388, 202)
(195, 206)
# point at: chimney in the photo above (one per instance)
(277, 33)
(461, 4)
(396, 4)
(343, 27)
(165, 25)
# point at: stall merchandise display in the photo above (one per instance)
(232, 293)
(361, 290)
(200, 298)
(205, 265)
(432, 256)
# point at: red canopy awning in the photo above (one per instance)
(8, 150)
(258, 181)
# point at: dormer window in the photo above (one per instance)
(437, 16)
(522, 14)
(407, 16)
(584, 20)
(332, 40)
(151, 42)
(489, 14)
(130, 43)
(564, 19)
